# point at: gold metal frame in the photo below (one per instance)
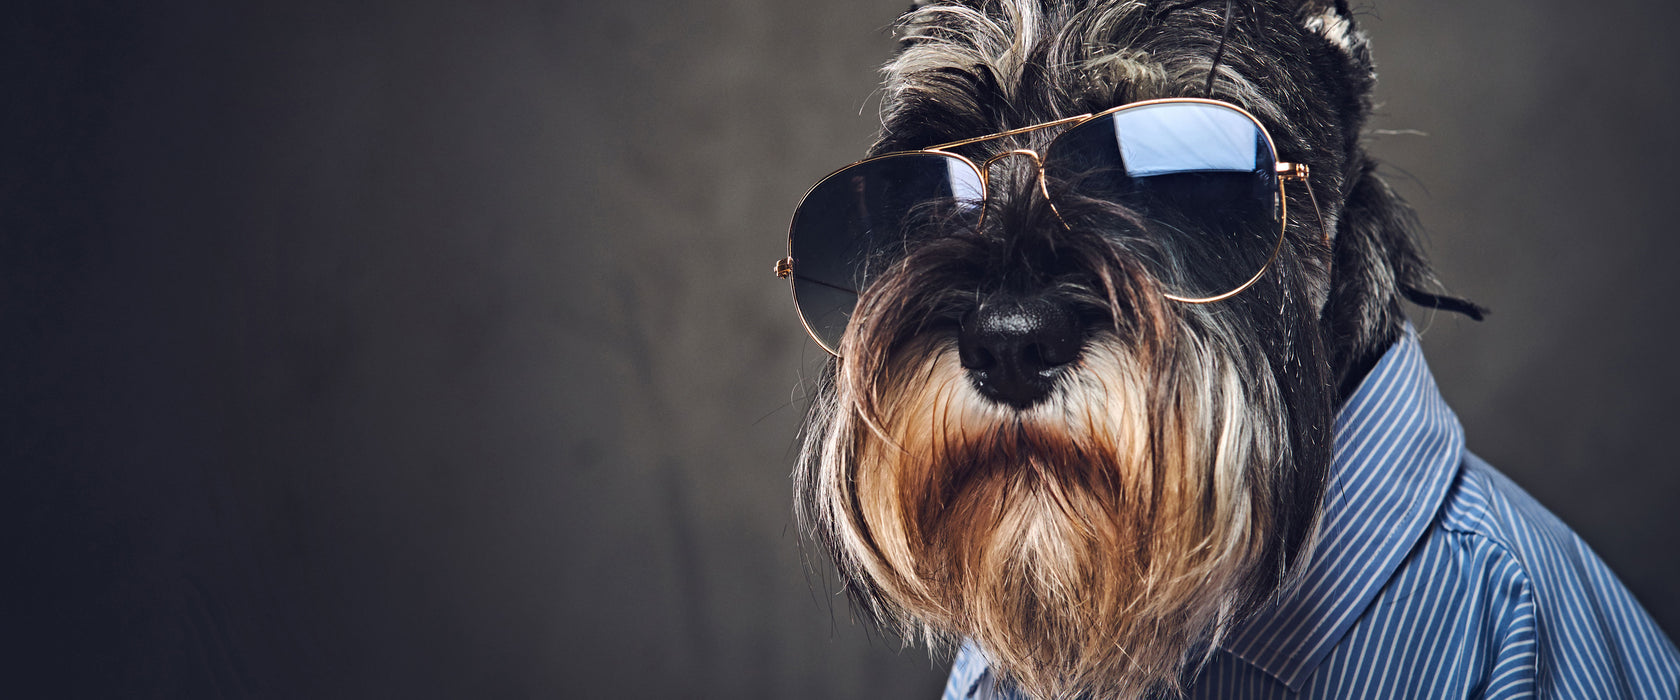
(1285, 171)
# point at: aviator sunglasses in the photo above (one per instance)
(1203, 175)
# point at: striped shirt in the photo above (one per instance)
(1434, 577)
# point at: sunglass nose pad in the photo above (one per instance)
(1016, 350)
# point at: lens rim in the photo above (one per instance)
(793, 227)
(1271, 148)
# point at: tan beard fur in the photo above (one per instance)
(1100, 542)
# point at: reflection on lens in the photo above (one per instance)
(1201, 177)
(861, 218)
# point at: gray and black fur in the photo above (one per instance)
(1075, 63)
(1300, 338)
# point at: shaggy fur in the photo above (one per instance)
(1102, 541)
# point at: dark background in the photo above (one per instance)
(417, 349)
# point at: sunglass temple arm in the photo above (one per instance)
(1299, 171)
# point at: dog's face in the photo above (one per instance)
(1026, 440)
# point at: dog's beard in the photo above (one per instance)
(1098, 542)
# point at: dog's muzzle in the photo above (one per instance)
(1015, 351)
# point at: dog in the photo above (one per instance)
(1116, 314)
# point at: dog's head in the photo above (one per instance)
(1033, 436)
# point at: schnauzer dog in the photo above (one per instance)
(1096, 303)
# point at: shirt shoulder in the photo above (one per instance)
(1591, 638)
(1484, 503)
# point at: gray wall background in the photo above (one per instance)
(419, 349)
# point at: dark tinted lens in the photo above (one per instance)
(859, 219)
(1202, 177)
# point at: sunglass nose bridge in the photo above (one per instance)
(1025, 153)
(1038, 167)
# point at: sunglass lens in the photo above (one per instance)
(861, 218)
(1199, 180)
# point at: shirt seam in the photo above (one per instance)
(1492, 533)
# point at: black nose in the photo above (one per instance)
(1015, 350)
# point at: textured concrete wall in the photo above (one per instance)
(424, 349)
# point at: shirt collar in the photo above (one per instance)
(1397, 447)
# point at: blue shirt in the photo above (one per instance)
(1434, 577)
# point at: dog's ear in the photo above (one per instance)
(1378, 258)
(1332, 20)
(1345, 56)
